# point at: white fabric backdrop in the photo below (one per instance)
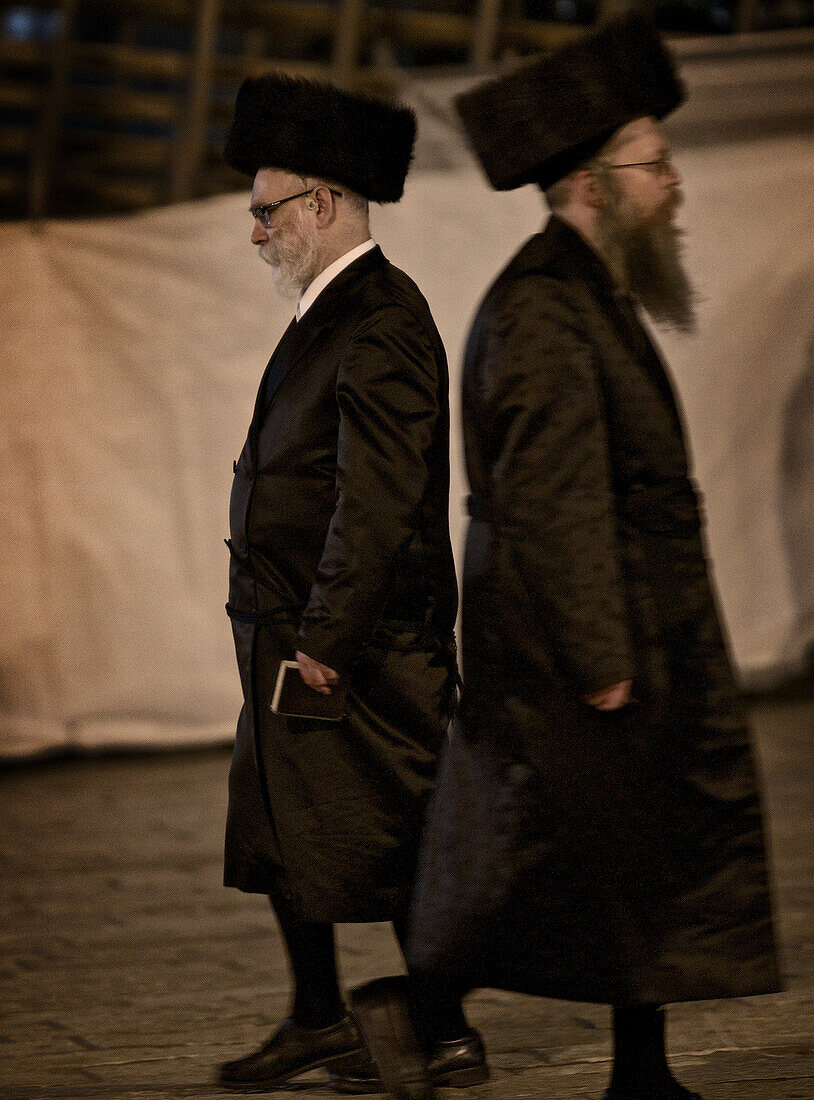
(131, 350)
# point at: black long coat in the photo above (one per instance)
(340, 547)
(609, 857)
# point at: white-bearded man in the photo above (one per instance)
(341, 560)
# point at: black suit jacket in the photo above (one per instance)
(340, 502)
(340, 547)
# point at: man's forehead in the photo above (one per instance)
(641, 133)
(271, 184)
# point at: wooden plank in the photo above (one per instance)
(126, 61)
(20, 96)
(18, 51)
(530, 35)
(236, 67)
(746, 14)
(106, 104)
(189, 141)
(350, 29)
(422, 28)
(309, 18)
(115, 192)
(120, 152)
(485, 33)
(162, 11)
(12, 185)
(50, 121)
(15, 139)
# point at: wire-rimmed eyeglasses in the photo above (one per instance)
(661, 166)
(263, 212)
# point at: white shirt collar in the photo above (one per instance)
(312, 292)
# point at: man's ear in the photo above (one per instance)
(324, 204)
(588, 189)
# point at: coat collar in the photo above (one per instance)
(560, 237)
(329, 301)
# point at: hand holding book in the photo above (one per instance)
(315, 674)
(313, 691)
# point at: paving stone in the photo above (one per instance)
(127, 972)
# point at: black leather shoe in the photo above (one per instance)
(294, 1049)
(454, 1063)
(382, 1011)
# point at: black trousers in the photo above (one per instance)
(318, 1000)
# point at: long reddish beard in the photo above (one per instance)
(649, 253)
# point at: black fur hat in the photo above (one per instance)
(543, 120)
(315, 129)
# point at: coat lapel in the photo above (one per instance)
(276, 369)
(626, 321)
(323, 312)
(299, 336)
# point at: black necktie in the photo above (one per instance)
(280, 363)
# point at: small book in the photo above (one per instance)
(294, 698)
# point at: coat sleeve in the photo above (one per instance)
(553, 482)
(388, 397)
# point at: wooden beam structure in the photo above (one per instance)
(137, 118)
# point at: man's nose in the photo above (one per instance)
(259, 234)
(675, 179)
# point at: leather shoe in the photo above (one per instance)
(454, 1063)
(294, 1049)
(381, 1009)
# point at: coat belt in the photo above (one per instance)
(275, 615)
(671, 507)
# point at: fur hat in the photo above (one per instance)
(315, 129)
(543, 120)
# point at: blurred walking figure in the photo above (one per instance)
(341, 558)
(596, 831)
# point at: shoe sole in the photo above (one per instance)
(462, 1078)
(262, 1084)
(455, 1079)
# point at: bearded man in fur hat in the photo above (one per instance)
(596, 831)
(341, 560)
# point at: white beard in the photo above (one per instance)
(292, 255)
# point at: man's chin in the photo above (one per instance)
(287, 288)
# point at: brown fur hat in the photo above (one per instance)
(544, 120)
(316, 129)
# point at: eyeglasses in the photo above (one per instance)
(661, 166)
(263, 213)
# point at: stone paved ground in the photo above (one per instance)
(127, 971)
